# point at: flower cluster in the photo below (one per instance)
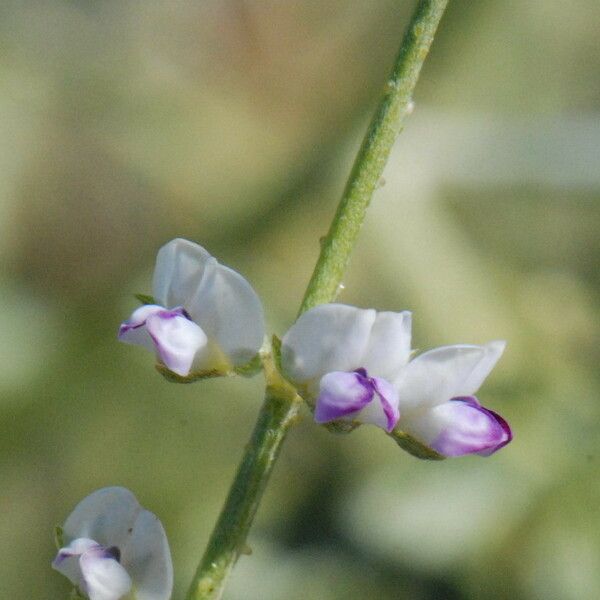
(351, 365)
(354, 366)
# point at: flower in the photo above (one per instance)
(347, 358)
(436, 391)
(115, 548)
(207, 319)
(354, 365)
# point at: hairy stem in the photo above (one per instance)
(282, 403)
(365, 176)
(228, 540)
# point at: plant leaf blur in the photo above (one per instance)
(234, 124)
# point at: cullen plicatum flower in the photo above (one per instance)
(354, 365)
(347, 359)
(116, 549)
(207, 318)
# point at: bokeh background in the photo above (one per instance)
(234, 123)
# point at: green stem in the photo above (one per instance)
(282, 403)
(228, 540)
(368, 167)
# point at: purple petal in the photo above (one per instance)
(460, 426)
(470, 429)
(508, 435)
(474, 402)
(177, 339)
(357, 396)
(388, 396)
(171, 333)
(341, 394)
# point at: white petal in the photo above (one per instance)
(329, 337)
(179, 269)
(67, 559)
(133, 331)
(148, 559)
(493, 352)
(177, 340)
(105, 516)
(444, 373)
(389, 345)
(103, 577)
(229, 311)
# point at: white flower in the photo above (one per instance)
(347, 358)
(116, 549)
(354, 364)
(207, 317)
(438, 405)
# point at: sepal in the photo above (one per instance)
(276, 353)
(144, 298)
(250, 369)
(59, 536)
(340, 426)
(172, 377)
(414, 447)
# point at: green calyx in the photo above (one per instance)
(144, 298)
(59, 536)
(414, 447)
(251, 368)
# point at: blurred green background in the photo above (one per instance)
(234, 123)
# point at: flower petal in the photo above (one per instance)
(179, 269)
(493, 352)
(103, 577)
(148, 559)
(177, 340)
(444, 373)
(459, 426)
(329, 337)
(133, 331)
(387, 401)
(105, 516)
(67, 559)
(357, 397)
(229, 311)
(341, 394)
(389, 345)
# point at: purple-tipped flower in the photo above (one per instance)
(438, 405)
(116, 549)
(207, 317)
(346, 359)
(354, 364)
